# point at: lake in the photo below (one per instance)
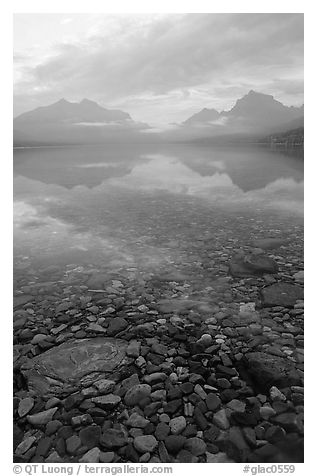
(153, 209)
(136, 243)
(86, 216)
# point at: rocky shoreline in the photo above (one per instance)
(112, 368)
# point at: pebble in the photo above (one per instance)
(289, 421)
(106, 457)
(140, 361)
(220, 419)
(200, 391)
(52, 402)
(188, 409)
(52, 427)
(187, 388)
(137, 393)
(143, 308)
(39, 338)
(177, 425)
(185, 456)
(173, 377)
(93, 327)
(145, 458)
(267, 412)
(117, 324)
(41, 418)
(154, 378)
(108, 402)
(90, 436)
(174, 443)
(145, 443)
(276, 395)
(196, 446)
(25, 406)
(92, 456)
(73, 443)
(25, 445)
(236, 405)
(159, 349)
(104, 386)
(133, 349)
(158, 395)
(299, 277)
(113, 438)
(165, 418)
(137, 421)
(247, 308)
(78, 420)
(53, 458)
(205, 340)
(213, 402)
(212, 433)
(218, 458)
(162, 430)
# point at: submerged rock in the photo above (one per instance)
(69, 363)
(299, 277)
(269, 370)
(268, 243)
(117, 325)
(281, 294)
(252, 265)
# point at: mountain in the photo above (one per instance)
(262, 110)
(254, 113)
(204, 116)
(71, 112)
(67, 122)
(252, 117)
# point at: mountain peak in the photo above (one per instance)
(62, 101)
(205, 115)
(88, 102)
(63, 111)
(255, 93)
(253, 111)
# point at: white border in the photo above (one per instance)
(163, 6)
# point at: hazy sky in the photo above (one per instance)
(159, 68)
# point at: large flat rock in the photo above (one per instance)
(281, 294)
(75, 363)
(252, 266)
(268, 243)
(267, 370)
(19, 301)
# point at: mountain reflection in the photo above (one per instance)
(81, 205)
(249, 168)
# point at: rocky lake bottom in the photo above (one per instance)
(195, 355)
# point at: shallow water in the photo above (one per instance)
(160, 212)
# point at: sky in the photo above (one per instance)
(160, 68)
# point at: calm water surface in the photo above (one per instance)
(142, 211)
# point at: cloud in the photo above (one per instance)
(168, 173)
(65, 21)
(183, 57)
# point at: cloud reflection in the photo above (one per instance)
(171, 175)
(117, 220)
